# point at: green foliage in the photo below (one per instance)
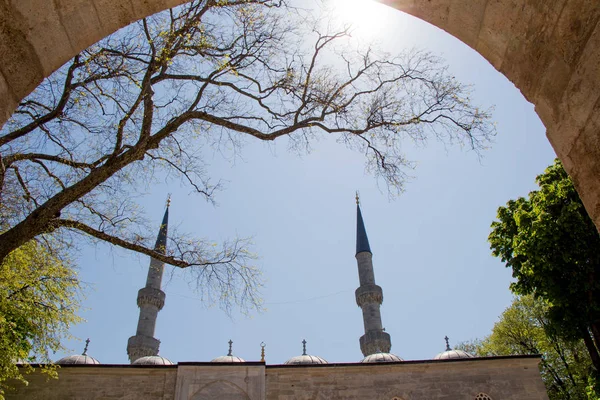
(553, 248)
(593, 387)
(39, 297)
(522, 329)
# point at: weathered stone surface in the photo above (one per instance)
(508, 379)
(45, 31)
(511, 378)
(151, 296)
(6, 102)
(139, 346)
(578, 19)
(78, 17)
(585, 150)
(583, 89)
(437, 15)
(368, 294)
(499, 20)
(528, 52)
(227, 382)
(375, 342)
(114, 15)
(466, 20)
(91, 383)
(20, 65)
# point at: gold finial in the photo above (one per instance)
(262, 351)
(357, 198)
(168, 200)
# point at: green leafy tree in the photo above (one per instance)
(39, 299)
(523, 329)
(553, 248)
(155, 99)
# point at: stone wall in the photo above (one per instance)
(102, 382)
(236, 381)
(502, 379)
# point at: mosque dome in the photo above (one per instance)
(152, 360)
(78, 359)
(450, 354)
(305, 358)
(381, 357)
(82, 358)
(229, 358)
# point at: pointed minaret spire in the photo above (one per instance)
(362, 241)
(369, 296)
(150, 300)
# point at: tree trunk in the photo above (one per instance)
(591, 347)
(596, 334)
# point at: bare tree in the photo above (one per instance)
(210, 73)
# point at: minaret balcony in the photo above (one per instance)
(375, 342)
(139, 346)
(151, 296)
(369, 294)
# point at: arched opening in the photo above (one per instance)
(221, 390)
(550, 51)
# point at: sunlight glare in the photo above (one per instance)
(366, 17)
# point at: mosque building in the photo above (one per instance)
(450, 375)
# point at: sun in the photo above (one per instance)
(365, 16)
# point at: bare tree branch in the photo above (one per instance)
(152, 99)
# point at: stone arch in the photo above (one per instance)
(549, 49)
(220, 390)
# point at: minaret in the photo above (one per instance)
(150, 300)
(369, 296)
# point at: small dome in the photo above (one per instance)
(82, 358)
(381, 357)
(228, 359)
(78, 359)
(305, 358)
(452, 354)
(152, 360)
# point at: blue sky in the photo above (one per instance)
(429, 245)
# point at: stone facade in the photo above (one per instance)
(506, 379)
(106, 382)
(502, 378)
